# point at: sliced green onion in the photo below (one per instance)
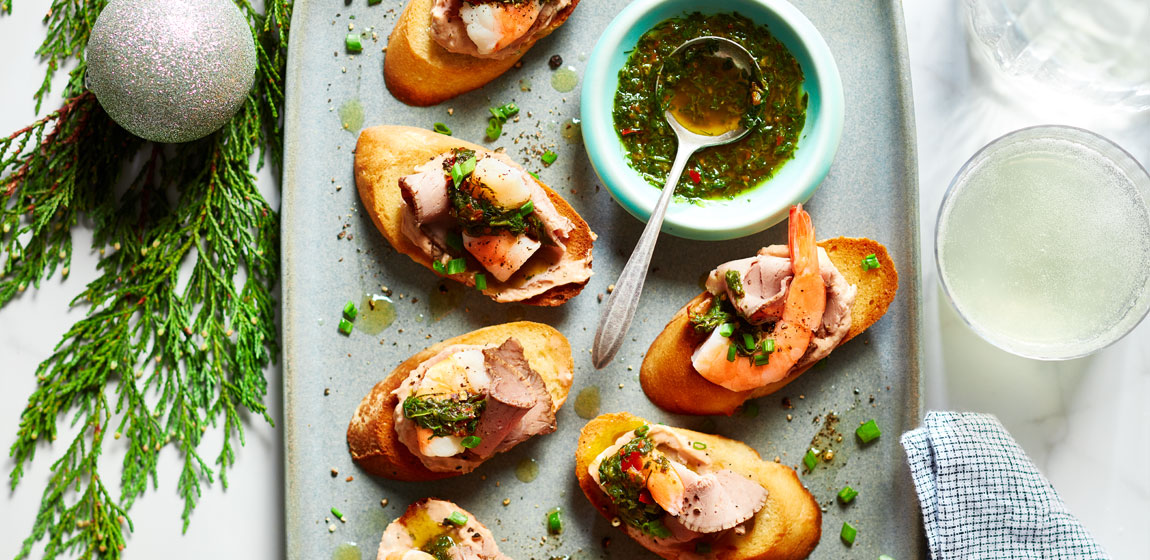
(441, 128)
(455, 240)
(456, 266)
(456, 174)
(353, 43)
(509, 110)
(349, 311)
(731, 352)
(642, 430)
(549, 157)
(810, 459)
(338, 514)
(467, 166)
(457, 518)
(748, 342)
(699, 445)
(847, 494)
(480, 281)
(438, 267)
(494, 128)
(471, 442)
(344, 326)
(726, 329)
(527, 208)
(848, 534)
(762, 359)
(554, 523)
(497, 112)
(870, 261)
(768, 345)
(868, 432)
(702, 548)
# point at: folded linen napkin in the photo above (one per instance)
(983, 498)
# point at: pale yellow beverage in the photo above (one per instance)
(1043, 242)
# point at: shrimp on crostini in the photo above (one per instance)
(803, 311)
(494, 25)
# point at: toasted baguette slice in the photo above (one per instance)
(424, 521)
(386, 153)
(419, 72)
(672, 383)
(371, 435)
(788, 526)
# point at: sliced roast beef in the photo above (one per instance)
(516, 401)
(764, 280)
(425, 193)
(717, 501)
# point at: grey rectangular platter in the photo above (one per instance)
(332, 253)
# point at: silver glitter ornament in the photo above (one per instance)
(171, 70)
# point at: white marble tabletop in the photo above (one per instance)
(1084, 422)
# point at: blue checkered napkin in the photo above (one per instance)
(982, 498)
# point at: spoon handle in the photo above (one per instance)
(624, 300)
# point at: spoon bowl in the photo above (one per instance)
(620, 309)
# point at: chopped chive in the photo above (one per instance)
(868, 432)
(549, 157)
(847, 494)
(532, 173)
(373, 2)
(456, 174)
(731, 352)
(762, 359)
(353, 43)
(455, 240)
(438, 267)
(699, 445)
(456, 266)
(497, 112)
(509, 110)
(338, 514)
(345, 326)
(870, 261)
(748, 342)
(769, 345)
(457, 518)
(554, 523)
(884, 557)
(441, 128)
(349, 311)
(848, 534)
(642, 430)
(810, 459)
(702, 548)
(468, 166)
(480, 281)
(726, 329)
(471, 442)
(494, 128)
(527, 208)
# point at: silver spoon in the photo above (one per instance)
(624, 300)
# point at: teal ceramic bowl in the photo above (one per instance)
(758, 208)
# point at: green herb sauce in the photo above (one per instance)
(721, 172)
(625, 488)
(440, 547)
(453, 416)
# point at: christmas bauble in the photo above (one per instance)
(171, 70)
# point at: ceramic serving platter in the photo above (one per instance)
(332, 253)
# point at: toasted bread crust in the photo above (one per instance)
(383, 154)
(371, 436)
(787, 528)
(672, 383)
(419, 72)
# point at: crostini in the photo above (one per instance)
(686, 495)
(449, 408)
(766, 319)
(442, 48)
(472, 215)
(434, 529)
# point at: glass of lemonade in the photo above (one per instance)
(1043, 242)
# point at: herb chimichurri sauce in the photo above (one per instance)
(722, 171)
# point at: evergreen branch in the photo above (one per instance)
(160, 361)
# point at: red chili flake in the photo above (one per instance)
(695, 177)
(779, 140)
(630, 131)
(633, 461)
(645, 497)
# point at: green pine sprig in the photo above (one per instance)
(159, 358)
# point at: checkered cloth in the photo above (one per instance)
(982, 498)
